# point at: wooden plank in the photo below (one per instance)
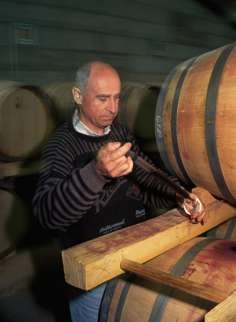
(223, 312)
(94, 262)
(154, 275)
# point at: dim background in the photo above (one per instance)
(45, 41)
(42, 43)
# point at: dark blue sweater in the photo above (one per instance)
(72, 199)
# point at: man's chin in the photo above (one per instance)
(107, 122)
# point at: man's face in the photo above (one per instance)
(100, 100)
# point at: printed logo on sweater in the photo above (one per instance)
(140, 213)
(112, 227)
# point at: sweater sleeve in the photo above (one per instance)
(156, 191)
(64, 194)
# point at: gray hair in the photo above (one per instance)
(83, 73)
(82, 76)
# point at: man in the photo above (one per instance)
(89, 185)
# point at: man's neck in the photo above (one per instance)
(81, 127)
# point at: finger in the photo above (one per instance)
(104, 156)
(198, 217)
(194, 214)
(112, 165)
(194, 220)
(106, 150)
(130, 167)
(197, 214)
(121, 151)
(123, 169)
(111, 146)
(201, 217)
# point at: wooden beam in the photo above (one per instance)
(155, 275)
(96, 261)
(223, 312)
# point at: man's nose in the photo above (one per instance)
(112, 105)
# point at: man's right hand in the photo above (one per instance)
(112, 160)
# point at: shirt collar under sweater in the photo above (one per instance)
(82, 128)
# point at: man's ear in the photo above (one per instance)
(77, 95)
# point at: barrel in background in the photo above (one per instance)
(206, 261)
(137, 109)
(60, 95)
(137, 112)
(29, 260)
(195, 122)
(26, 121)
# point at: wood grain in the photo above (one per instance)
(180, 283)
(223, 312)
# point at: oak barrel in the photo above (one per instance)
(209, 262)
(195, 122)
(26, 121)
(60, 94)
(227, 230)
(137, 109)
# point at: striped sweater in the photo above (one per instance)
(74, 200)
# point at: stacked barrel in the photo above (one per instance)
(25, 124)
(208, 262)
(195, 122)
(29, 259)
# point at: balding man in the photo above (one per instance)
(88, 186)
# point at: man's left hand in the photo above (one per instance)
(194, 208)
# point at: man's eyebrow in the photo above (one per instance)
(103, 95)
(107, 95)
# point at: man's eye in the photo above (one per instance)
(102, 99)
